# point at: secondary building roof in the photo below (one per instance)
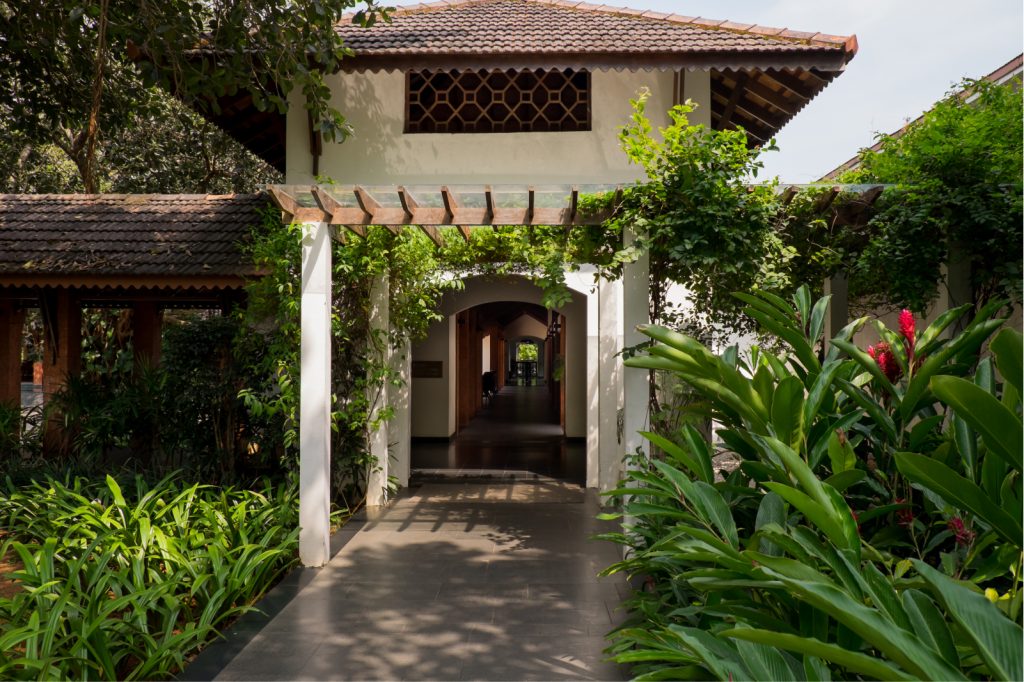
(170, 239)
(761, 76)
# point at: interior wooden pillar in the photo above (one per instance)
(463, 394)
(562, 360)
(62, 355)
(502, 362)
(476, 351)
(147, 325)
(12, 323)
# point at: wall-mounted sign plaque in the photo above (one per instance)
(427, 369)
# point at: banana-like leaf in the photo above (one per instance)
(706, 500)
(840, 454)
(818, 514)
(897, 644)
(868, 364)
(787, 410)
(817, 325)
(930, 335)
(816, 394)
(930, 625)
(992, 635)
(850, 660)
(1008, 347)
(694, 464)
(966, 343)
(717, 656)
(959, 492)
(998, 426)
(794, 338)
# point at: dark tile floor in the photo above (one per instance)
(517, 431)
(490, 578)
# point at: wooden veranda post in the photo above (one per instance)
(12, 322)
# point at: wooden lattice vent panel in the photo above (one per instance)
(511, 101)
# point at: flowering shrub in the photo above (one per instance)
(872, 528)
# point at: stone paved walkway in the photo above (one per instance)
(457, 581)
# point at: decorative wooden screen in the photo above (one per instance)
(497, 101)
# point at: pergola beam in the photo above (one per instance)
(370, 211)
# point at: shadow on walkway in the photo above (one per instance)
(491, 581)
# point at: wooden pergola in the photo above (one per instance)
(429, 208)
(319, 208)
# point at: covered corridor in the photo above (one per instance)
(515, 434)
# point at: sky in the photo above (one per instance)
(911, 53)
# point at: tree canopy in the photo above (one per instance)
(958, 176)
(73, 69)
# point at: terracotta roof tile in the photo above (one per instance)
(134, 234)
(521, 27)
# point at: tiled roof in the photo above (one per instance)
(180, 235)
(517, 27)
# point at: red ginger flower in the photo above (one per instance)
(907, 326)
(905, 516)
(882, 354)
(963, 536)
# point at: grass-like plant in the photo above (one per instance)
(128, 586)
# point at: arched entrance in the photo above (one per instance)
(477, 406)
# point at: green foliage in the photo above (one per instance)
(526, 352)
(128, 582)
(695, 214)
(959, 176)
(268, 342)
(75, 69)
(872, 512)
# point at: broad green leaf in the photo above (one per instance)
(959, 492)
(845, 479)
(822, 516)
(967, 342)
(1000, 428)
(770, 510)
(840, 453)
(817, 325)
(872, 625)
(930, 625)
(1008, 349)
(787, 410)
(992, 635)
(816, 395)
(930, 335)
(720, 658)
(868, 364)
(678, 454)
(850, 660)
(791, 336)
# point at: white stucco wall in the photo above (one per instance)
(432, 416)
(524, 325)
(429, 394)
(381, 154)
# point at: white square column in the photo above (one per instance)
(635, 383)
(377, 478)
(315, 397)
(609, 370)
(400, 426)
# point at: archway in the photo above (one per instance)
(480, 327)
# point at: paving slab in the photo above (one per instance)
(489, 581)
